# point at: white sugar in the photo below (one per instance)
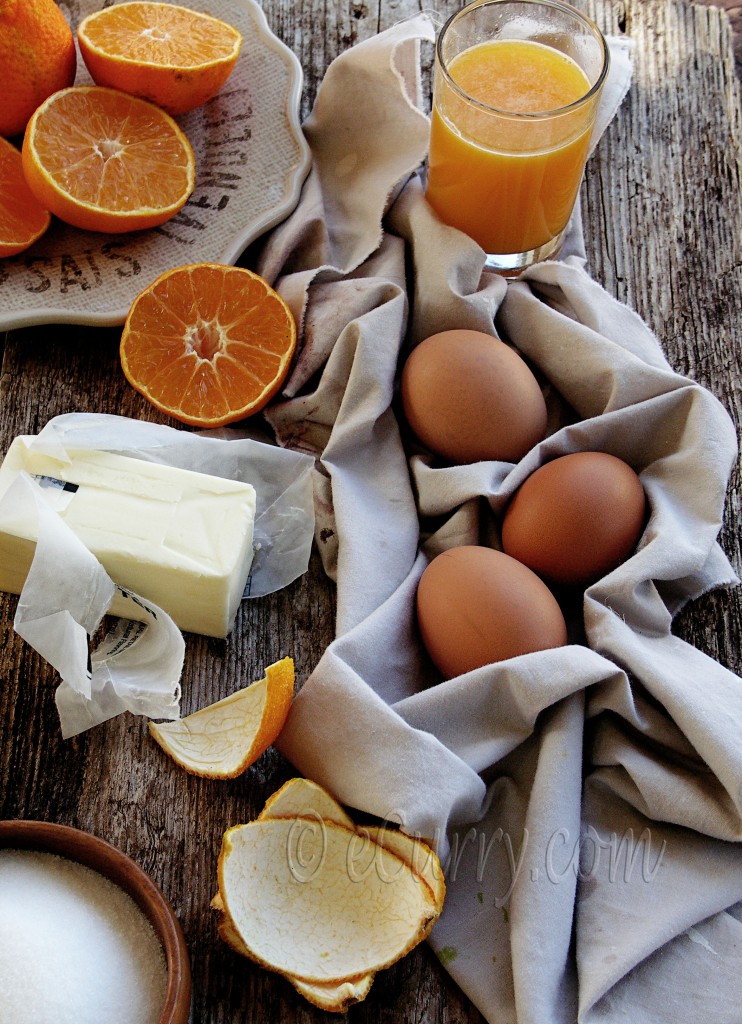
(74, 947)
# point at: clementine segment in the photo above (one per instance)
(37, 57)
(208, 343)
(22, 219)
(173, 56)
(104, 161)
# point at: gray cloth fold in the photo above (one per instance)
(586, 801)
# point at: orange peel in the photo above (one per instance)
(302, 798)
(334, 997)
(308, 815)
(320, 904)
(222, 740)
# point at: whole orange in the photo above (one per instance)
(37, 57)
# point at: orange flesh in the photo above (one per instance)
(22, 218)
(161, 34)
(508, 182)
(172, 56)
(208, 344)
(79, 139)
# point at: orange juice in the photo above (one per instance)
(506, 168)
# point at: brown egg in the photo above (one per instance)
(476, 605)
(576, 518)
(470, 397)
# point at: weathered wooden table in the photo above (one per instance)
(663, 221)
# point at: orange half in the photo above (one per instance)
(104, 161)
(173, 56)
(208, 343)
(22, 218)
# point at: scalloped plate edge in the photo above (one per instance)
(295, 178)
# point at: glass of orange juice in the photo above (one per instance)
(517, 85)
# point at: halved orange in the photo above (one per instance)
(22, 218)
(173, 56)
(208, 343)
(104, 161)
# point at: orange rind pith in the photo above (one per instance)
(322, 848)
(222, 740)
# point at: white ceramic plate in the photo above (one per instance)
(251, 161)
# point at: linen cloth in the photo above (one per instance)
(586, 801)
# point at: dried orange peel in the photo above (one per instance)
(296, 894)
(301, 917)
(302, 798)
(334, 997)
(223, 739)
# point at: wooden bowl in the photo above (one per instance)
(113, 864)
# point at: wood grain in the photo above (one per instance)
(663, 214)
(663, 225)
(733, 10)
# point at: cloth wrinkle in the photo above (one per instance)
(586, 801)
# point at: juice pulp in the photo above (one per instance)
(507, 178)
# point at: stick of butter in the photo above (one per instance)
(180, 538)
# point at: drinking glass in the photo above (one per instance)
(517, 84)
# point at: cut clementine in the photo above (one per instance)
(22, 219)
(170, 55)
(208, 343)
(104, 161)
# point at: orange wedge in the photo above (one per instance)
(208, 344)
(104, 161)
(170, 55)
(22, 218)
(222, 740)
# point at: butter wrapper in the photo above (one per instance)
(67, 592)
